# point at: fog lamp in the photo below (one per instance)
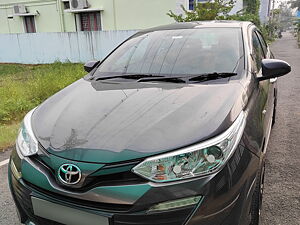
(176, 204)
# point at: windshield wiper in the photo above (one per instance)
(127, 76)
(184, 79)
(164, 79)
(181, 79)
(211, 76)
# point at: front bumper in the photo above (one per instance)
(23, 193)
(226, 197)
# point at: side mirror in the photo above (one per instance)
(272, 68)
(89, 66)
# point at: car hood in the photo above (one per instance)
(109, 122)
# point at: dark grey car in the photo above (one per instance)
(171, 128)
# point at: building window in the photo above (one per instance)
(66, 5)
(191, 3)
(90, 21)
(29, 24)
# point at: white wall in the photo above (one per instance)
(264, 10)
(50, 47)
(238, 6)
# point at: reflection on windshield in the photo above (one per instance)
(177, 52)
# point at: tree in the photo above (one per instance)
(220, 9)
(295, 4)
(252, 6)
(211, 10)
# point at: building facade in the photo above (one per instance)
(264, 12)
(22, 16)
(31, 16)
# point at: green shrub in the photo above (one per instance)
(24, 87)
(10, 69)
(8, 135)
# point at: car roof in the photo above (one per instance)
(198, 24)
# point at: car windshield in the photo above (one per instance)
(177, 53)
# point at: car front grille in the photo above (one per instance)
(106, 176)
(23, 191)
(83, 203)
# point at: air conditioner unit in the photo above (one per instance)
(19, 9)
(78, 4)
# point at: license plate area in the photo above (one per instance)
(65, 215)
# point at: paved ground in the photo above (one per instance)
(282, 188)
(8, 215)
(282, 192)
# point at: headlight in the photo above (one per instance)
(26, 141)
(197, 160)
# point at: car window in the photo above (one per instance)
(263, 43)
(258, 53)
(177, 52)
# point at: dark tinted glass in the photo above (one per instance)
(177, 52)
(257, 51)
(263, 43)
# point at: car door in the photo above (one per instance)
(272, 85)
(266, 96)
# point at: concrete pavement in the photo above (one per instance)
(281, 203)
(8, 215)
(282, 188)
